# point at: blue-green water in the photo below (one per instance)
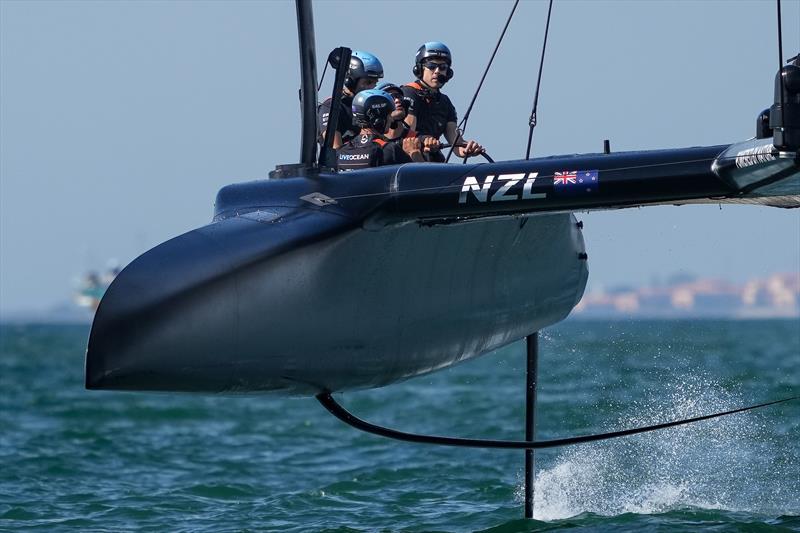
(98, 461)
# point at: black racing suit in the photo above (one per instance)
(345, 125)
(433, 111)
(367, 150)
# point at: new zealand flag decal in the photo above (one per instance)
(576, 181)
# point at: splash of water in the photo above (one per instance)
(729, 463)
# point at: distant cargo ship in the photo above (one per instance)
(93, 285)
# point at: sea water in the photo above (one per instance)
(71, 459)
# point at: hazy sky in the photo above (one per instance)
(119, 121)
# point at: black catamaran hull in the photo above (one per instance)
(234, 307)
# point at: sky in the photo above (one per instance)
(119, 121)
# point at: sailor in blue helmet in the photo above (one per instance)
(372, 110)
(363, 73)
(430, 111)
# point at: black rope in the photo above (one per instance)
(532, 119)
(462, 127)
(324, 70)
(347, 417)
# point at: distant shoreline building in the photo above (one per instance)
(777, 296)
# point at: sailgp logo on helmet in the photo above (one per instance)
(372, 107)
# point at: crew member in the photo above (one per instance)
(372, 111)
(430, 111)
(398, 129)
(363, 73)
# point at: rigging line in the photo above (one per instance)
(462, 127)
(324, 70)
(347, 417)
(532, 119)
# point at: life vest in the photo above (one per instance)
(422, 91)
(360, 153)
(433, 109)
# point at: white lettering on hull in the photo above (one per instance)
(754, 156)
(505, 192)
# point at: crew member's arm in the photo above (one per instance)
(323, 113)
(411, 114)
(453, 136)
(396, 118)
(398, 132)
(411, 121)
(413, 147)
(337, 140)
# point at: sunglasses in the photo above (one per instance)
(436, 66)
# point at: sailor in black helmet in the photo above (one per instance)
(363, 73)
(430, 111)
(372, 110)
(398, 129)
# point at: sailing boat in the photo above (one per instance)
(314, 283)
(310, 283)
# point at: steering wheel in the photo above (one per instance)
(483, 154)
